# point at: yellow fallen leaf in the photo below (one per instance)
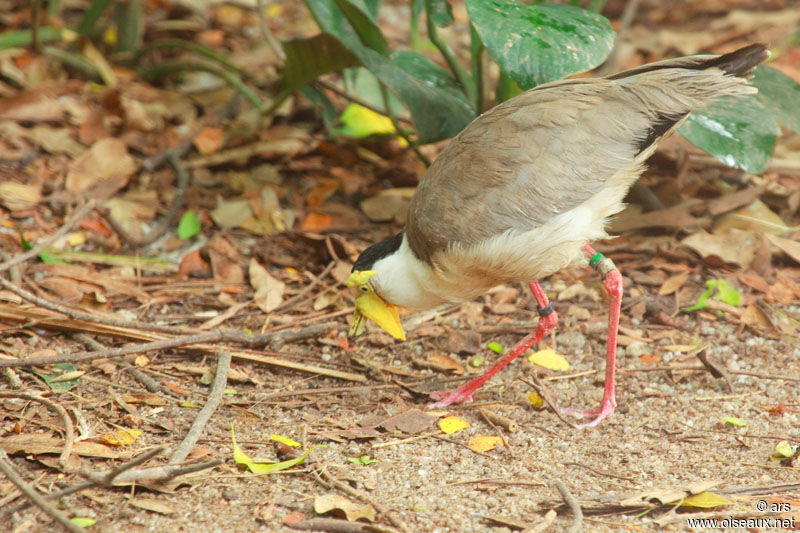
(535, 400)
(706, 500)
(452, 424)
(484, 443)
(120, 437)
(352, 511)
(549, 359)
(285, 440)
(260, 467)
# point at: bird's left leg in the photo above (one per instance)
(612, 280)
(547, 321)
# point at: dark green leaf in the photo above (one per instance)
(322, 104)
(307, 59)
(737, 130)
(59, 386)
(425, 70)
(88, 25)
(189, 226)
(780, 94)
(538, 43)
(440, 12)
(436, 113)
(365, 27)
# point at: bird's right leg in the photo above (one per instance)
(547, 321)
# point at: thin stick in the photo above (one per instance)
(212, 402)
(63, 230)
(266, 32)
(299, 296)
(69, 430)
(574, 506)
(34, 496)
(164, 224)
(81, 315)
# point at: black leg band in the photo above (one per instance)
(546, 310)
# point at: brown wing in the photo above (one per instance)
(550, 149)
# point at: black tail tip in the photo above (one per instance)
(741, 61)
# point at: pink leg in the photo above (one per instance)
(547, 321)
(612, 280)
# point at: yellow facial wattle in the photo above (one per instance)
(370, 305)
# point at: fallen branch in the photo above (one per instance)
(574, 506)
(35, 497)
(212, 402)
(63, 230)
(69, 430)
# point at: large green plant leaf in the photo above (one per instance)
(780, 94)
(436, 113)
(439, 11)
(738, 130)
(365, 27)
(428, 72)
(538, 43)
(307, 59)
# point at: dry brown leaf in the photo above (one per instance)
(788, 246)
(352, 511)
(734, 246)
(39, 443)
(388, 205)
(146, 398)
(755, 217)
(756, 318)
(230, 213)
(751, 279)
(327, 298)
(446, 363)
(102, 170)
(17, 196)
(155, 505)
(268, 290)
(209, 140)
(673, 283)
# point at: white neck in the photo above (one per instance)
(402, 279)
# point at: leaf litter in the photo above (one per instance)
(91, 143)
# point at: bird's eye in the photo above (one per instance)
(364, 288)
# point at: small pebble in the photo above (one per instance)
(637, 348)
(572, 341)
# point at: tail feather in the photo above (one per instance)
(738, 63)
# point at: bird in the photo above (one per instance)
(523, 190)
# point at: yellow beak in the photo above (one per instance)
(372, 306)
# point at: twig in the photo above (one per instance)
(399, 130)
(336, 525)
(69, 430)
(600, 472)
(266, 32)
(574, 506)
(94, 478)
(81, 315)
(503, 421)
(35, 497)
(612, 61)
(212, 402)
(162, 474)
(63, 230)
(544, 524)
(165, 223)
(356, 100)
(299, 296)
(382, 509)
(545, 396)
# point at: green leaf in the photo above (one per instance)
(538, 43)
(58, 385)
(46, 257)
(439, 11)
(307, 59)
(724, 293)
(436, 113)
(496, 347)
(365, 27)
(738, 130)
(322, 105)
(82, 521)
(780, 94)
(734, 421)
(364, 460)
(189, 226)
